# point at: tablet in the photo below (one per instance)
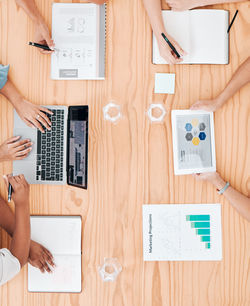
(193, 141)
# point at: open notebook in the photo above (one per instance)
(201, 33)
(61, 235)
(78, 30)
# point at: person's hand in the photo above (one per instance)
(212, 177)
(20, 189)
(42, 36)
(207, 105)
(167, 53)
(182, 5)
(40, 257)
(33, 115)
(98, 1)
(15, 149)
(208, 176)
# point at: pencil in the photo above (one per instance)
(232, 21)
(170, 45)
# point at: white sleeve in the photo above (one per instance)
(9, 266)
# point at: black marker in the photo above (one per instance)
(170, 45)
(232, 21)
(44, 47)
(9, 192)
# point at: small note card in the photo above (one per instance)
(164, 83)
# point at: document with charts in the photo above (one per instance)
(179, 232)
(61, 235)
(193, 141)
(78, 31)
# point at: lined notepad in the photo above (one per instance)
(201, 33)
(61, 235)
(79, 34)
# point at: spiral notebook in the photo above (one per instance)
(61, 235)
(201, 33)
(79, 34)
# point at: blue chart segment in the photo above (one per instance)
(201, 224)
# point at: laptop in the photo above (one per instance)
(59, 156)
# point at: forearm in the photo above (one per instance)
(240, 78)
(239, 201)
(11, 93)
(20, 243)
(31, 9)
(7, 217)
(153, 8)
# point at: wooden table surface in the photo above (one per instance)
(131, 163)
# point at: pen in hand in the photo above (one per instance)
(44, 47)
(170, 45)
(9, 192)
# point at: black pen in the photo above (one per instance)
(170, 45)
(44, 47)
(9, 192)
(232, 21)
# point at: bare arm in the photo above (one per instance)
(153, 8)
(20, 243)
(240, 78)
(33, 115)
(181, 5)
(39, 256)
(239, 201)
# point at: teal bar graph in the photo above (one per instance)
(198, 218)
(205, 238)
(203, 231)
(200, 224)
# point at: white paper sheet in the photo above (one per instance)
(169, 235)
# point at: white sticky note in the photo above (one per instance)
(164, 83)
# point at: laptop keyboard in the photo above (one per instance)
(50, 149)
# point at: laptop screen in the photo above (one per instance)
(77, 161)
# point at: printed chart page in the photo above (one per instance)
(74, 31)
(180, 232)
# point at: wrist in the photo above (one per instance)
(218, 182)
(21, 204)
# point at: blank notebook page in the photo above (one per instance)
(61, 235)
(201, 33)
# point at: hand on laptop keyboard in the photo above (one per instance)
(14, 149)
(33, 115)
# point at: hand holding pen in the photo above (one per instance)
(169, 49)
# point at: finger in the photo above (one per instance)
(22, 157)
(44, 120)
(20, 143)
(46, 110)
(23, 152)
(12, 180)
(46, 267)
(45, 51)
(41, 266)
(37, 125)
(23, 147)
(49, 259)
(6, 182)
(12, 139)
